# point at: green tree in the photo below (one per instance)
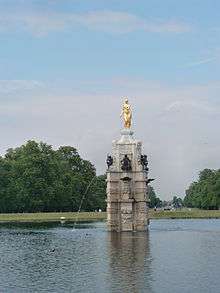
(154, 200)
(34, 178)
(205, 193)
(177, 202)
(96, 197)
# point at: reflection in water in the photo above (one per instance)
(180, 256)
(129, 261)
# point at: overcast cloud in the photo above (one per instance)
(65, 66)
(176, 125)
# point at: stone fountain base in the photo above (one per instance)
(127, 198)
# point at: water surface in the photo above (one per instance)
(173, 256)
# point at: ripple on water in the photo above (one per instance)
(177, 255)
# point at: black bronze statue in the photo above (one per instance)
(126, 163)
(144, 162)
(109, 161)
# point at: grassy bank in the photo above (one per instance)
(185, 214)
(53, 217)
(89, 216)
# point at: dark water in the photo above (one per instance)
(174, 256)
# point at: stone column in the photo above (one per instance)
(127, 198)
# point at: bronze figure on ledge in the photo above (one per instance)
(109, 161)
(126, 163)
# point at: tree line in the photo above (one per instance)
(204, 193)
(36, 178)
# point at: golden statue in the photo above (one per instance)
(127, 114)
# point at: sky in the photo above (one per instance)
(65, 67)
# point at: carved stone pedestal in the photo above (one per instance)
(127, 198)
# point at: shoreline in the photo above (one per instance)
(98, 216)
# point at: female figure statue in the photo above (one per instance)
(127, 114)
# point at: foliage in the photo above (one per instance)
(205, 193)
(177, 202)
(36, 178)
(154, 200)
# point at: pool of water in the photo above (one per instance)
(173, 256)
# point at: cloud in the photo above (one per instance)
(191, 105)
(42, 23)
(12, 86)
(200, 62)
(121, 22)
(178, 144)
